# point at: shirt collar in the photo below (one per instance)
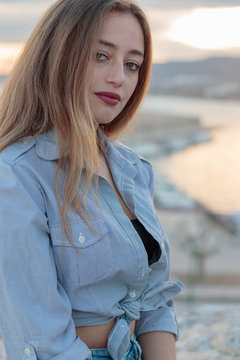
(120, 155)
(47, 148)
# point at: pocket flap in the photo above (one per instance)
(82, 235)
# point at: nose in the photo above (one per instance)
(115, 75)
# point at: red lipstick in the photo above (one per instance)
(109, 97)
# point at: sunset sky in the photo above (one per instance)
(182, 29)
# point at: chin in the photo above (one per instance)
(104, 120)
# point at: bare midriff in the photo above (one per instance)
(96, 337)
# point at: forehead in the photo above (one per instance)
(122, 29)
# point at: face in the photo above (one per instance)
(119, 55)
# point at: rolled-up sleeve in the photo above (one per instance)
(35, 311)
(162, 319)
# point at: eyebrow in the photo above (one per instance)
(110, 44)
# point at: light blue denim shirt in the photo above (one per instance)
(47, 287)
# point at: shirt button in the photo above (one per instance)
(81, 239)
(133, 294)
(27, 351)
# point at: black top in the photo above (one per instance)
(151, 245)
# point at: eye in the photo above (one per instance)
(133, 66)
(101, 56)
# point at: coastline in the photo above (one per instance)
(195, 163)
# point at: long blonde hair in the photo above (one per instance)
(47, 88)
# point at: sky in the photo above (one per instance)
(182, 30)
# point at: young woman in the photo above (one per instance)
(84, 262)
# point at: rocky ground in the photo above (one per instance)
(209, 332)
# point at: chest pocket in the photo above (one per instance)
(91, 262)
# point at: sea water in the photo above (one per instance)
(209, 172)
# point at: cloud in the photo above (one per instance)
(36, 2)
(17, 18)
(189, 30)
(8, 54)
(186, 4)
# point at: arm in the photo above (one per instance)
(158, 346)
(35, 311)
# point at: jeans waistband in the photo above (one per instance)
(133, 352)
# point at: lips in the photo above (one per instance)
(109, 97)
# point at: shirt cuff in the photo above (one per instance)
(163, 319)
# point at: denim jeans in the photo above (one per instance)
(134, 352)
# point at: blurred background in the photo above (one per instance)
(189, 128)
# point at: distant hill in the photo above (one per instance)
(214, 77)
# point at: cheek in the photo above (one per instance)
(132, 87)
(95, 77)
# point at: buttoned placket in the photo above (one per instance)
(113, 203)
